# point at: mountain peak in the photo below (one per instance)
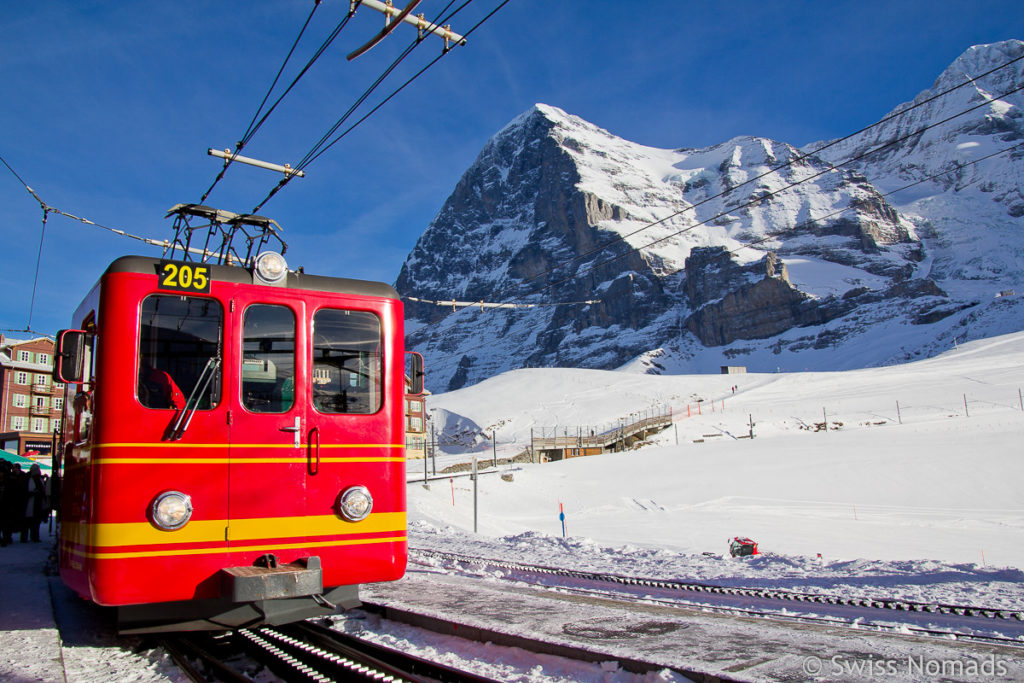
(744, 252)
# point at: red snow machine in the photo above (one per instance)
(741, 547)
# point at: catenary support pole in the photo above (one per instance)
(474, 493)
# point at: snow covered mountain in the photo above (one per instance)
(750, 252)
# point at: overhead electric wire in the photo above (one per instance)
(314, 152)
(35, 279)
(47, 210)
(800, 157)
(52, 209)
(322, 147)
(254, 126)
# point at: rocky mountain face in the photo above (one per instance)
(751, 252)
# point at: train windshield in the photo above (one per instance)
(346, 361)
(178, 336)
(268, 359)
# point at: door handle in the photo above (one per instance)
(313, 452)
(297, 430)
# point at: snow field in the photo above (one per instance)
(930, 508)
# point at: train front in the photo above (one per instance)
(235, 448)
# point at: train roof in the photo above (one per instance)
(296, 280)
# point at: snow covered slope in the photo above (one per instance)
(920, 461)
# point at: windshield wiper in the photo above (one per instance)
(192, 403)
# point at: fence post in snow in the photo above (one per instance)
(966, 412)
(1020, 395)
(899, 417)
(494, 446)
(824, 416)
(750, 416)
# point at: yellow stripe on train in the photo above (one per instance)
(233, 549)
(121, 534)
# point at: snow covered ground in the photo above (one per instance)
(915, 488)
(914, 491)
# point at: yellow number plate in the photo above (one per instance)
(184, 277)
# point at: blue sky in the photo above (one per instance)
(108, 108)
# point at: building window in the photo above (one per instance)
(20, 401)
(21, 378)
(56, 425)
(41, 401)
(415, 406)
(25, 356)
(17, 423)
(58, 403)
(43, 358)
(40, 425)
(42, 380)
(415, 424)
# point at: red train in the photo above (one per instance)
(233, 443)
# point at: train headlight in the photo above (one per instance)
(271, 267)
(171, 510)
(354, 504)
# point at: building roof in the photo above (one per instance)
(7, 359)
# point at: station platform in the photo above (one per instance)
(49, 634)
(30, 647)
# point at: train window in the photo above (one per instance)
(268, 359)
(178, 337)
(346, 362)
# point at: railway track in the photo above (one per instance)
(306, 651)
(939, 619)
(303, 651)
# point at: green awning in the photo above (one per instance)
(25, 463)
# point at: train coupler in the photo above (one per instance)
(270, 580)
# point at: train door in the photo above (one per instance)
(349, 428)
(268, 454)
(309, 425)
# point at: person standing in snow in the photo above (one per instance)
(36, 506)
